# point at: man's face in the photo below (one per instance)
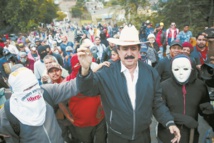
(43, 43)
(186, 28)
(22, 49)
(173, 25)
(48, 62)
(8, 42)
(55, 74)
(48, 50)
(97, 41)
(37, 43)
(64, 39)
(186, 50)
(23, 59)
(201, 41)
(111, 45)
(129, 55)
(175, 50)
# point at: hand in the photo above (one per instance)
(85, 58)
(207, 108)
(174, 130)
(70, 119)
(198, 67)
(45, 78)
(66, 58)
(106, 63)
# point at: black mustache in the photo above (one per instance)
(129, 57)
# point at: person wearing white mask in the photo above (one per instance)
(28, 117)
(183, 94)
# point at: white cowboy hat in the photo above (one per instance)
(128, 36)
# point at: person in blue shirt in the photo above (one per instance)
(64, 44)
(185, 35)
(67, 62)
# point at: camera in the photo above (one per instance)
(207, 71)
(209, 33)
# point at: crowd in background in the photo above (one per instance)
(52, 57)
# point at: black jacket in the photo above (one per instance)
(185, 108)
(121, 119)
(163, 67)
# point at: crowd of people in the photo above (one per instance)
(105, 85)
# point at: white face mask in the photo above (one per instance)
(181, 69)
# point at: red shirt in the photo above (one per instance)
(86, 111)
(158, 38)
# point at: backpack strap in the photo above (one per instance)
(14, 122)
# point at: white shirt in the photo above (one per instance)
(131, 84)
(101, 47)
(12, 49)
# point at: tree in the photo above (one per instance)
(192, 12)
(131, 10)
(76, 12)
(79, 9)
(22, 15)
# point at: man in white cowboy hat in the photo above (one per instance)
(130, 91)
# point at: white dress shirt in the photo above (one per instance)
(131, 84)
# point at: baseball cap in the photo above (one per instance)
(21, 45)
(69, 48)
(187, 44)
(53, 65)
(143, 48)
(161, 24)
(22, 54)
(176, 42)
(157, 25)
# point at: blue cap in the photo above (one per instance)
(143, 48)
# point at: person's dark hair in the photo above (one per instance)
(199, 34)
(115, 50)
(186, 25)
(97, 37)
(47, 46)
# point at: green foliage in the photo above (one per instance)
(78, 10)
(192, 12)
(131, 10)
(22, 15)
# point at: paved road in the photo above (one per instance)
(203, 127)
(65, 5)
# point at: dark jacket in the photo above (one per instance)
(58, 58)
(184, 107)
(163, 68)
(121, 119)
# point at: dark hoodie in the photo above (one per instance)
(183, 100)
(42, 52)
